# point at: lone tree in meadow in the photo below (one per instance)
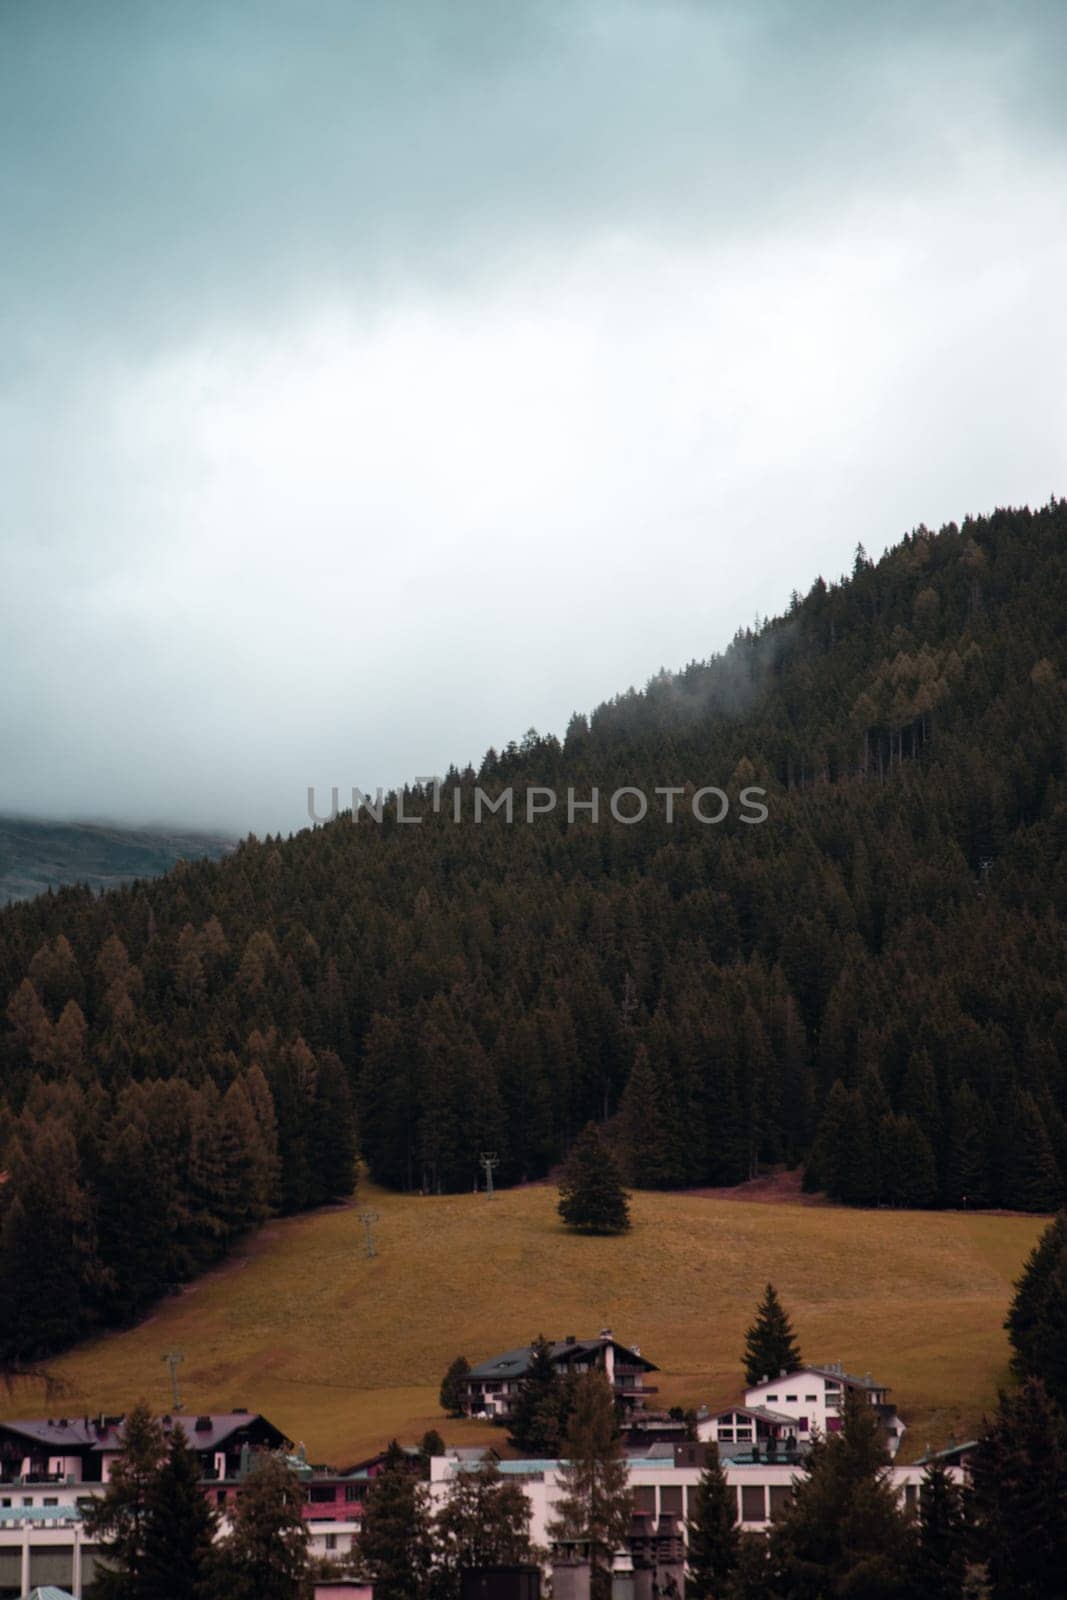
(770, 1343)
(591, 1196)
(595, 1505)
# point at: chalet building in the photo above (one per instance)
(815, 1398)
(491, 1387)
(71, 1451)
(49, 1471)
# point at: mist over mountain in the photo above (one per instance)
(37, 855)
(870, 983)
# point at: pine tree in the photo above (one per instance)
(484, 1522)
(713, 1533)
(641, 1124)
(395, 1545)
(1032, 1180)
(118, 1521)
(967, 1178)
(453, 1395)
(178, 1559)
(1037, 1320)
(827, 1164)
(942, 1556)
(1018, 1495)
(333, 1132)
(843, 1532)
(265, 1556)
(592, 1198)
(46, 1264)
(910, 1172)
(770, 1344)
(595, 1504)
(540, 1411)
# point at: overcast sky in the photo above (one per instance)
(377, 380)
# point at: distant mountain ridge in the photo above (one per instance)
(36, 855)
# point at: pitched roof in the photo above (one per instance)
(78, 1433)
(836, 1374)
(513, 1363)
(762, 1412)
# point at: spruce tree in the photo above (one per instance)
(265, 1556)
(967, 1177)
(642, 1126)
(713, 1533)
(770, 1343)
(1032, 1179)
(910, 1171)
(592, 1198)
(178, 1556)
(843, 1532)
(118, 1520)
(1037, 1320)
(484, 1522)
(595, 1504)
(395, 1546)
(539, 1413)
(1019, 1494)
(452, 1397)
(942, 1555)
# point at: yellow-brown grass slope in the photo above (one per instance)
(344, 1352)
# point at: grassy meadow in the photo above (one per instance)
(343, 1352)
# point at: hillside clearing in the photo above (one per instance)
(343, 1351)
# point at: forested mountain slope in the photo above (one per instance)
(872, 980)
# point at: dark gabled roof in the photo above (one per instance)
(513, 1363)
(80, 1433)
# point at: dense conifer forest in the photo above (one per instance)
(873, 982)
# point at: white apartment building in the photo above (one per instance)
(815, 1398)
(664, 1485)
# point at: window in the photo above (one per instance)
(791, 1398)
(726, 1436)
(771, 1397)
(753, 1503)
(810, 1397)
(645, 1499)
(670, 1500)
(744, 1433)
(353, 1492)
(331, 1541)
(322, 1494)
(780, 1495)
(220, 1496)
(52, 1500)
